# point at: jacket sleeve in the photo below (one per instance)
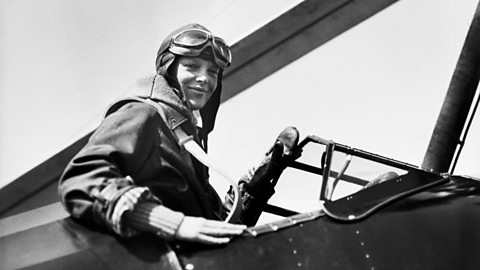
(96, 186)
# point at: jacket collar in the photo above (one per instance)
(157, 88)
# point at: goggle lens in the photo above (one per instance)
(196, 40)
(191, 38)
(222, 48)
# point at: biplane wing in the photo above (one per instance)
(434, 229)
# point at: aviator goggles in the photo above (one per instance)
(193, 41)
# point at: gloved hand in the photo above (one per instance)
(263, 178)
(257, 185)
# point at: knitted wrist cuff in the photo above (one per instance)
(126, 202)
(152, 217)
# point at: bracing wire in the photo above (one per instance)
(461, 143)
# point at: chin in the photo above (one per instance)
(197, 105)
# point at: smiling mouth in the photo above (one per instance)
(199, 89)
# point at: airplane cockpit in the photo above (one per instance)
(353, 183)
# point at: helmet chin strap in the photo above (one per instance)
(182, 96)
(175, 85)
(184, 100)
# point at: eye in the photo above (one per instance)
(190, 65)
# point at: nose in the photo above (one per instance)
(202, 77)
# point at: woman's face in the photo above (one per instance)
(197, 78)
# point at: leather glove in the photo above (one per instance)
(284, 150)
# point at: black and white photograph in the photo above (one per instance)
(288, 134)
